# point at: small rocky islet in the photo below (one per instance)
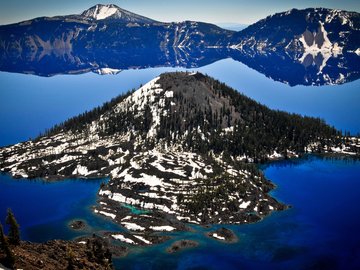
(77, 225)
(223, 235)
(180, 245)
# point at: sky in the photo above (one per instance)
(213, 11)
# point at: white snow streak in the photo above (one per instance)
(215, 235)
(122, 238)
(162, 228)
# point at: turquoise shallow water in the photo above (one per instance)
(320, 231)
(135, 210)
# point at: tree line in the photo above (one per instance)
(205, 108)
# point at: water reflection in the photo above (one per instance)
(305, 68)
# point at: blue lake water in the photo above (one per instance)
(44, 209)
(319, 232)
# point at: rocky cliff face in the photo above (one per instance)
(313, 29)
(317, 41)
(312, 37)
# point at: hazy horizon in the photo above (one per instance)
(218, 12)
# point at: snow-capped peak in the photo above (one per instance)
(100, 12)
(111, 11)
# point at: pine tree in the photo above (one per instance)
(14, 230)
(2, 238)
(70, 258)
(9, 260)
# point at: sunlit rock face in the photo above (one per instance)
(318, 49)
(298, 30)
(320, 44)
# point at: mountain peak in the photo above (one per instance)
(111, 11)
(100, 11)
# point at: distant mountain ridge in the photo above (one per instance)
(324, 29)
(311, 36)
(322, 45)
(313, 29)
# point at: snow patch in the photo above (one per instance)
(122, 238)
(132, 226)
(169, 94)
(150, 180)
(142, 239)
(326, 50)
(162, 228)
(215, 235)
(275, 155)
(113, 216)
(244, 205)
(80, 170)
(103, 12)
(107, 71)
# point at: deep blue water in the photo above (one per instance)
(319, 232)
(44, 209)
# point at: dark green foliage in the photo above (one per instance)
(203, 108)
(98, 252)
(3, 239)
(115, 122)
(212, 192)
(215, 192)
(257, 132)
(14, 228)
(9, 260)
